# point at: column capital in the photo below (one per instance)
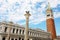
(27, 14)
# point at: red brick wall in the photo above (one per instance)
(51, 27)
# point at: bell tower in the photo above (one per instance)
(50, 22)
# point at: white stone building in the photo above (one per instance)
(17, 32)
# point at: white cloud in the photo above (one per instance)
(54, 3)
(15, 17)
(56, 14)
(58, 1)
(38, 18)
(35, 1)
(37, 15)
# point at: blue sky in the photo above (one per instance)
(14, 10)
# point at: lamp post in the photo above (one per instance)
(27, 15)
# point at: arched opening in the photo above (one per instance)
(3, 38)
(19, 38)
(12, 39)
(22, 39)
(13, 30)
(15, 39)
(5, 29)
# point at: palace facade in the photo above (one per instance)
(17, 32)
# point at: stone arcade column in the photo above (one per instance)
(27, 25)
(9, 30)
(1, 37)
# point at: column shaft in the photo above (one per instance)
(27, 25)
(26, 29)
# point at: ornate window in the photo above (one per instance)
(48, 15)
(13, 30)
(17, 31)
(5, 29)
(20, 31)
(23, 31)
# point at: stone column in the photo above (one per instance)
(29, 33)
(3, 27)
(21, 38)
(9, 30)
(27, 25)
(1, 37)
(8, 36)
(14, 38)
(15, 30)
(21, 31)
(30, 39)
(12, 30)
(18, 31)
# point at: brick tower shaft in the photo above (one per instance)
(50, 22)
(51, 27)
